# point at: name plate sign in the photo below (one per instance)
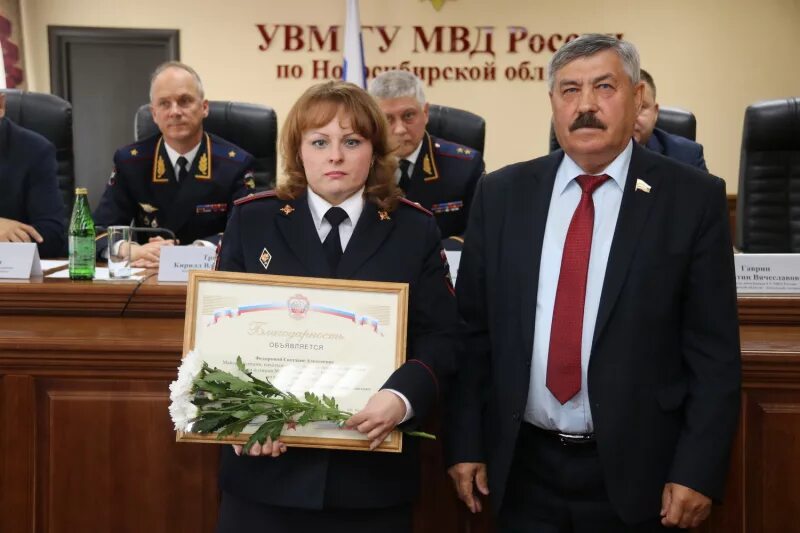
(175, 262)
(19, 260)
(767, 273)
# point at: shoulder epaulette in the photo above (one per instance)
(451, 149)
(254, 196)
(415, 205)
(136, 151)
(226, 151)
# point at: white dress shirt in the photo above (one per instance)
(353, 206)
(543, 409)
(174, 155)
(412, 160)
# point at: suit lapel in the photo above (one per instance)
(425, 171)
(371, 230)
(530, 204)
(297, 227)
(164, 187)
(191, 192)
(633, 213)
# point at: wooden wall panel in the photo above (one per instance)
(17, 445)
(773, 460)
(108, 461)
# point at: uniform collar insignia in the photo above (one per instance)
(384, 215)
(287, 209)
(429, 169)
(203, 168)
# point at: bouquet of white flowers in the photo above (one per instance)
(210, 400)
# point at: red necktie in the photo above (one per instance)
(566, 331)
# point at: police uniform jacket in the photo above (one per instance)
(678, 148)
(143, 188)
(443, 181)
(29, 187)
(272, 236)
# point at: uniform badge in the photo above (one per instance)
(384, 215)
(147, 208)
(265, 258)
(231, 154)
(287, 209)
(249, 180)
(134, 152)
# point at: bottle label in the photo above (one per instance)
(81, 257)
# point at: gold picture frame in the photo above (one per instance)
(342, 338)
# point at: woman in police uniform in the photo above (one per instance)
(339, 214)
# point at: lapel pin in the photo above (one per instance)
(265, 258)
(642, 185)
(384, 215)
(287, 210)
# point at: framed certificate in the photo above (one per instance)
(339, 338)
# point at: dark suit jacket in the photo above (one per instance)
(664, 372)
(143, 188)
(678, 148)
(443, 182)
(405, 248)
(29, 187)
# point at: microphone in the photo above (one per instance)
(164, 231)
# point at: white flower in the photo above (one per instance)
(181, 408)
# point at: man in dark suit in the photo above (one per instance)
(438, 174)
(601, 376)
(184, 180)
(658, 140)
(31, 208)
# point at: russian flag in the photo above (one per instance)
(353, 68)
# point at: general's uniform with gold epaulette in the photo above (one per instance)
(443, 181)
(143, 188)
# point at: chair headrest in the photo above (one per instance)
(457, 125)
(772, 125)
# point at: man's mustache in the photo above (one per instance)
(587, 120)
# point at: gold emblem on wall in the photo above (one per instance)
(438, 4)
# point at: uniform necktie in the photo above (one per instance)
(405, 179)
(333, 242)
(183, 169)
(566, 331)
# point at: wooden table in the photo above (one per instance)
(86, 443)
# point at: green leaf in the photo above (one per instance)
(209, 424)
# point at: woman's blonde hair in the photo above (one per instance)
(317, 107)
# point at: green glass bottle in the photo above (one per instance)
(81, 238)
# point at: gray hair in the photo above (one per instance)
(397, 84)
(589, 45)
(182, 66)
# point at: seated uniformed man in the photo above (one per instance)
(31, 208)
(673, 146)
(184, 179)
(438, 174)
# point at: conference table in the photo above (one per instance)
(86, 443)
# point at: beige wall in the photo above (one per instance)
(711, 56)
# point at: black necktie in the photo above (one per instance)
(405, 179)
(183, 169)
(333, 243)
